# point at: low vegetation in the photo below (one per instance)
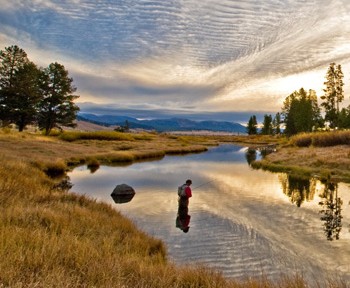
(55, 155)
(71, 136)
(52, 238)
(324, 155)
(321, 139)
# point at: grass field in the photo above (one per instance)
(52, 238)
(324, 155)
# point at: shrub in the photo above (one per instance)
(54, 169)
(100, 135)
(322, 139)
(54, 132)
(143, 136)
(93, 163)
(331, 138)
(302, 140)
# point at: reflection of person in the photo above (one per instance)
(183, 219)
(183, 199)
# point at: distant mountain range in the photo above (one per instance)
(161, 125)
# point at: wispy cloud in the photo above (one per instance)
(204, 56)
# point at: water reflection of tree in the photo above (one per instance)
(298, 189)
(331, 211)
(250, 155)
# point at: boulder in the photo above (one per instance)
(123, 193)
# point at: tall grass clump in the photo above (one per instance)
(52, 238)
(302, 139)
(331, 139)
(321, 139)
(6, 130)
(144, 136)
(51, 168)
(71, 136)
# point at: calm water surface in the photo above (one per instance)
(243, 222)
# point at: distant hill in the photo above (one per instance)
(90, 126)
(161, 125)
(104, 120)
(111, 120)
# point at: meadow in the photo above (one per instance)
(53, 238)
(324, 155)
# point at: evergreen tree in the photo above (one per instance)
(303, 116)
(344, 118)
(276, 124)
(267, 125)
(12, 60)
(339, 86)
(301, 112)
(289, 113)
(333, 94)
(27, 97)
(252, 126)
(57, 107)
(316, 111)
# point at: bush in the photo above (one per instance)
(101, 135)
(331, 138)
(322, 139)
(302, 140)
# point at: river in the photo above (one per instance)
(243, 222)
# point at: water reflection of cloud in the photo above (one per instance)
(237, 196)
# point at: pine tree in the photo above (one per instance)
(25, 102)
(339, 86)
(267, 125)
(288, 113)
(334, 94)
(317, 119)
(301, 112)
(344, 118)
(57, 107)
(276, 124)
(252, 126)
(12, 60)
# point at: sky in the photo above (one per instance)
(197, 59)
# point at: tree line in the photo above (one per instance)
(30, 95)
(302, 113)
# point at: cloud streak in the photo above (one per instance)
(206, 56)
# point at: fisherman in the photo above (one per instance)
(185, 193)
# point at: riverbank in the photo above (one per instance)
(57, 154)
(322, 155)
(52, 238)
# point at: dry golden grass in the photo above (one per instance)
(52, 238)
(57, 238)
(49, 153)
(325, 155)
(321, 139)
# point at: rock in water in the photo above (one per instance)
(123, 193)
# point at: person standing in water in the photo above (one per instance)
(183, 218)
(185, 193)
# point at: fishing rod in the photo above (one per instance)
(203, 184)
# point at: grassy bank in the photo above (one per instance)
(56, 154)
(324, 155)
(52, 238)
